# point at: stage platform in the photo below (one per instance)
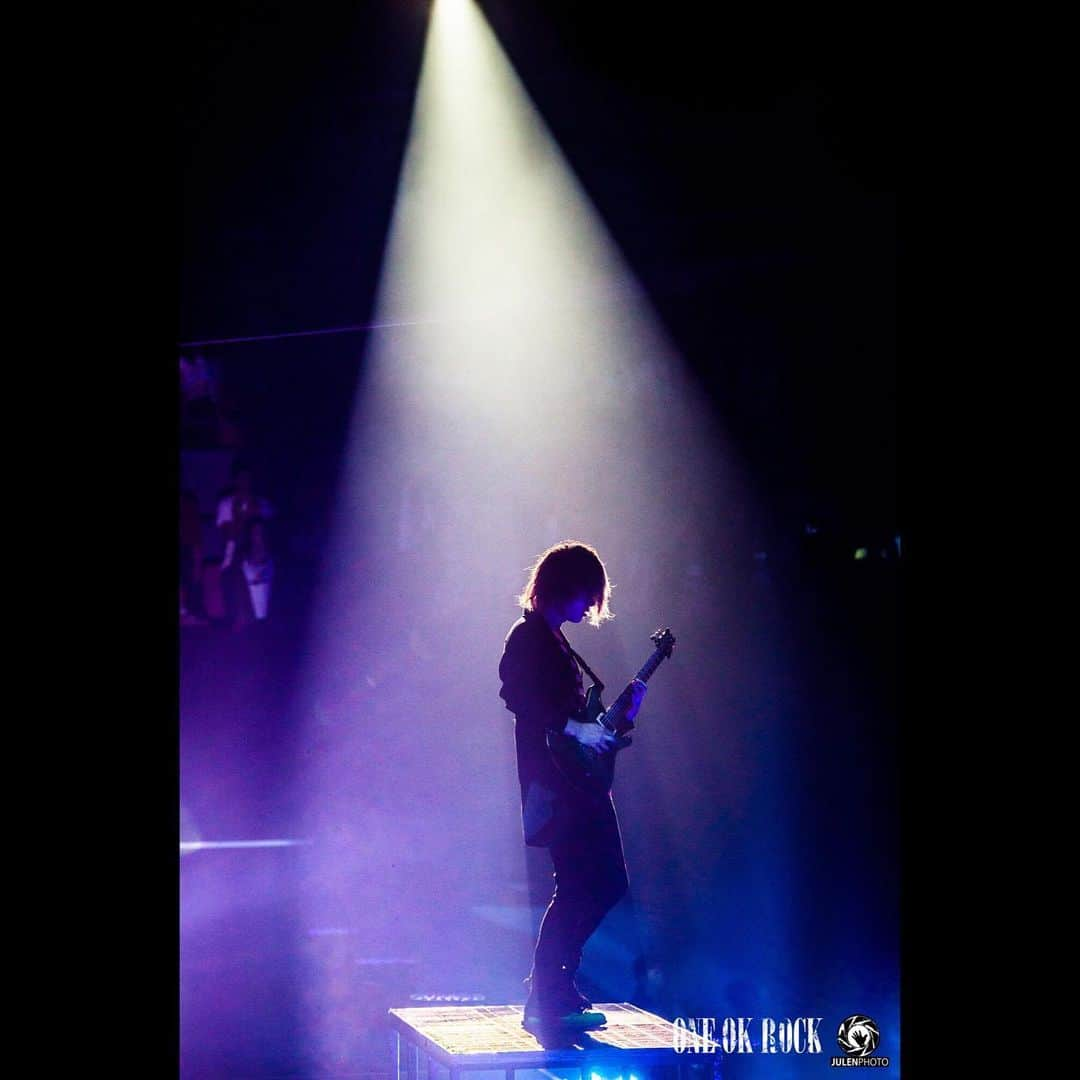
(490, 1037)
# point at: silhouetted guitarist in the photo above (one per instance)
(542, 686)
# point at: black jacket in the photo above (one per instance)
(542, 687)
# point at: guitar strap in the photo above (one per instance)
(581, 660)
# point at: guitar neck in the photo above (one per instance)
(648, 669)
(622, 702)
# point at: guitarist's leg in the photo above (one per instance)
(605, 865)
(590, 877)
(555, 942)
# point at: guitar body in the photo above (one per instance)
(590, 770)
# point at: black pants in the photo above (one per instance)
(590, 878)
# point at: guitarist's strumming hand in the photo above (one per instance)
(592, 734)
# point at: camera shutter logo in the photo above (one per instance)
(858, 1035)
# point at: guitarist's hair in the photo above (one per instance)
(564, 570)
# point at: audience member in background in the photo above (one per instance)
(235, 509)
(258, 568)
(237, 506)
(192, 610)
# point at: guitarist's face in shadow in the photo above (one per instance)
(572, 610)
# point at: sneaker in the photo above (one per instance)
(535, 1020)
(560, 1007)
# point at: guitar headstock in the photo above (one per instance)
(664, 640)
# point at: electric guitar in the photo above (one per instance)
(591, 770)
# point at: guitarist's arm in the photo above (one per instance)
(540, 702)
